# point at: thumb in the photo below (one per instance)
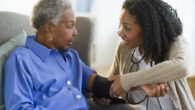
(113, 78)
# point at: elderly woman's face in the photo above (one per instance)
(64, 32)
(129, 30)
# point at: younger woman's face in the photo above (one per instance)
(129, 30)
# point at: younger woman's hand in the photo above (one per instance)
(116, 88)
(155, 90)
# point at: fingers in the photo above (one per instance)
(166, 88)
(163, 89)
(102, 101)
(112, 91)
(156, 90)
(106, 101)
(117, 93)
(112, 78)
(116, 89)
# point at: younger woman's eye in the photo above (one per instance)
(127, 28)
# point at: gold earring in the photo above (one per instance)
(50, 37)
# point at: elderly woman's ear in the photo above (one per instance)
(47, 27)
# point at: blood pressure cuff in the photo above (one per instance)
(101, 87)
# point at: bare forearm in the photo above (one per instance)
(91, 82)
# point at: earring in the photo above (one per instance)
(50, 37)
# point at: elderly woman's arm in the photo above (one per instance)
(100, 87)
(18, 86)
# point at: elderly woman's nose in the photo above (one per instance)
(75, 32)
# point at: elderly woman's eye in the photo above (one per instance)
(71, 25)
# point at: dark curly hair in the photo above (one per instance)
(159, 23)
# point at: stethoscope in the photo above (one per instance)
(146, 97)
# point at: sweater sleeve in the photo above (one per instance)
(174, 68)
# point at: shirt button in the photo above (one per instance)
(78, 97)
(68, 82)
(69, 89)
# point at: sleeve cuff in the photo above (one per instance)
(126, 82)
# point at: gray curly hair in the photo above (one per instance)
(48, 10)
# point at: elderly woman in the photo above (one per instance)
(46, 74)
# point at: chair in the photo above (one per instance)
(191, 82)
(83, 42)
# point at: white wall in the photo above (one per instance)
(107, 19)
(106, 38)
(107, 16)
(107, 13)
(186, 11)
(19, 6)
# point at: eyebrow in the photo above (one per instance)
(68, 21)
(127, 23)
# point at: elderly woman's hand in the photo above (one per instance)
(102, 101)
(155, 90)
(116, 88)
